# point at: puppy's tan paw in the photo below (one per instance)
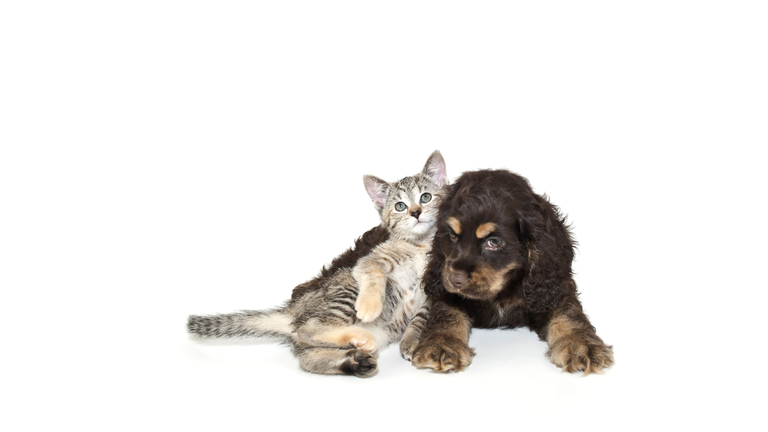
(442, 353)
(368, 307)
(581, 353)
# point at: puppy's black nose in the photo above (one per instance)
(416, 214)
(458, 278)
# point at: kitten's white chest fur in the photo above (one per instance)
(396, 267)
(405, 278)
(410, 262)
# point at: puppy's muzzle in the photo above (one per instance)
(458, 278)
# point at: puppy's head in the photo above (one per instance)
(494, 233)
(481, 239)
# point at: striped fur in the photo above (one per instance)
(412, 333)
(274, 323)
(340, 326)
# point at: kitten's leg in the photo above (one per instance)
(412, 333)
(315, 333)
(334, 361)
(371, 276)
(348, 336)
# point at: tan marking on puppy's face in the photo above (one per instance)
(454, 224)
(485, 229)
(484, 283)
(494, 279)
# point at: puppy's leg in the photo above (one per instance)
(573, 343)
(443, 344)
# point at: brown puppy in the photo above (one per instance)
(502, 258)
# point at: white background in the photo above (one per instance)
(160, 159)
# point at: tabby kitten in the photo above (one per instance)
(339, 327)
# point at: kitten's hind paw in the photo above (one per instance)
(361, 364)
(362, 340)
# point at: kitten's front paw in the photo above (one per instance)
(408, 346)
(361, 364)
(442, 353)
(368, 307)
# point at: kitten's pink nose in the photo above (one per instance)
(458, 278)
(416, 213)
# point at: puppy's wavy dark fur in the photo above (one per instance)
(362, 247)
(502, 259)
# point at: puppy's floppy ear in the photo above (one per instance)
(550, 254)
(433, 275)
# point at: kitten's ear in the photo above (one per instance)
(434, 169)
(377, 189)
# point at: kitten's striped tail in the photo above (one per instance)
(269, 323)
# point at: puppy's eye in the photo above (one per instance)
(426, 197)
(400, 206)
(494, 243)
(452, 235)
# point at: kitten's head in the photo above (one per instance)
(408, 207)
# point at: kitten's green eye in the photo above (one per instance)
(400, 206)
(425, 198)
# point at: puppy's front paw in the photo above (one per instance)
(581, 352)
(368, 307)
(442, 353)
